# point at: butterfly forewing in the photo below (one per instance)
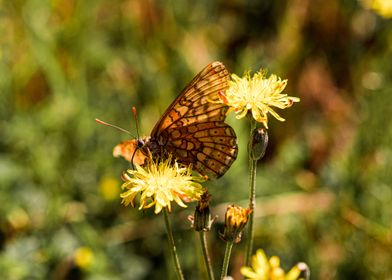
(194, 102)
(193, 128)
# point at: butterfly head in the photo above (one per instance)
(140, 143)
(132, 150)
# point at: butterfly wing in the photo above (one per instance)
(193, 127)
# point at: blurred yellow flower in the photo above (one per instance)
(382, 7)
(257, 94)
(83, 257)
(109, 189)
(18, 219)
(160, 183)
(269, 269)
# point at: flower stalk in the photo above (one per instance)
(207, 259)
(252, 195)
(202, 221)
(226, 259)
(172, 246)
(258, 141)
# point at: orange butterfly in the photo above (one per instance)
(192, 129)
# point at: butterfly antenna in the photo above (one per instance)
(134, 112)
(136, 121)
(112, 125)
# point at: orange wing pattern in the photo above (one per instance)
(193, 127)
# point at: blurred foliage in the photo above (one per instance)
(324, 187)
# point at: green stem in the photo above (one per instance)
(207, 260)
(172, 246)
(252, 196)
(226, 260)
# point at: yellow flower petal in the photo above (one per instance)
(159, 183)
(264, 269)
(249, 273)
(257, 95)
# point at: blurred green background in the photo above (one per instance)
(324, 186)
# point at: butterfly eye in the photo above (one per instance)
(140, 143)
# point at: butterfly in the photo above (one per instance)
(192, 129)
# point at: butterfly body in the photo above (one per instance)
(192, 129)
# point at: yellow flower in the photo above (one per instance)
(269, 269)
(257, 94)
(159, 183)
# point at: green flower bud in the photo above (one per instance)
(258, 143)
(202, 218)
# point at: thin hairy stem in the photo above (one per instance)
(252, 197)
(226, 259)
(172, 246)
(207, 260)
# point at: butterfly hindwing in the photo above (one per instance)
(211, 147)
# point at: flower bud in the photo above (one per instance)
(202, 218)
(258, 143)
(305, 271)
(299, 271)
(235, 220)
